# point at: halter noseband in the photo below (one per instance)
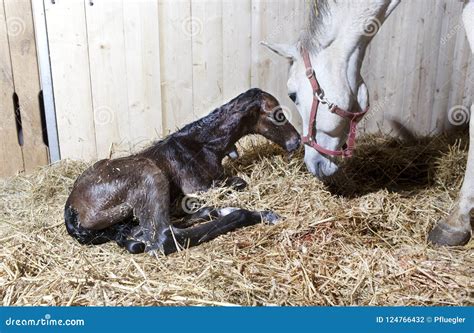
(318, 97)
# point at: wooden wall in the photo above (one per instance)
(418, 66)
(125, 72)
(19, 150)
(128, 71)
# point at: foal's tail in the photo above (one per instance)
(118, 233)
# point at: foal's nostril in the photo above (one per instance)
(293, 145)
(292, 96)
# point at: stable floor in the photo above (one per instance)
(358, 239)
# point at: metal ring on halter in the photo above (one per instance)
(319, 94)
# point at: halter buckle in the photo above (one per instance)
(332, 107)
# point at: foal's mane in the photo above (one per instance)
(237, 104)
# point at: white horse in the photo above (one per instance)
(326, 85)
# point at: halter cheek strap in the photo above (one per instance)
(318, 97)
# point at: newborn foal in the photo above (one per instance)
(109, 197)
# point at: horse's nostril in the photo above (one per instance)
(292, 96)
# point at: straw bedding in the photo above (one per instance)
(359, 238)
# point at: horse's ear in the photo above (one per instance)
(288, 51)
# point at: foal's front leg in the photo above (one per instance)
(151, 207)
(236, 183)
(203, 214)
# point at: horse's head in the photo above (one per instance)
(272, 123)
(335, 75)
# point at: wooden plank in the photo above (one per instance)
(290, 22)
(449, 26)
(108, 71)
(274, 22)
(394, 34)
(71, 81)
(26, 80)
(142, 54)
(46, 81)
(411, 53)
(401, 79)
(176, 63)
(461, 92)
(379, 52)
(430, 39)
(207, 55)
(10, 151)
(237, 23)
(258, 34)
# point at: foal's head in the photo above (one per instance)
(271, 122)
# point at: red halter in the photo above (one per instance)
(318, 96)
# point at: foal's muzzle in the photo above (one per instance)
(293, 145)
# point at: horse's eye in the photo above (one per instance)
(292, 96)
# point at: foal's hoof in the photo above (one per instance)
(238, 183)
(134, 246)
(270, 217)
(444, 234)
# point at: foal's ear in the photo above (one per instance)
(288, 51)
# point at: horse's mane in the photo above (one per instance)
(318, 10)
